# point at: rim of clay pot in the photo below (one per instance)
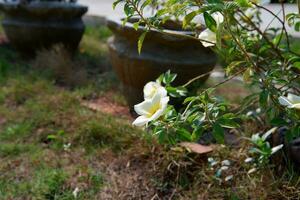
(116, 23)
(44, 9)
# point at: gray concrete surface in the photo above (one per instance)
(103, 8)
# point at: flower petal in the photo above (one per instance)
(143, 108)
(296, 106)
(152, 88)
(209, 36)
(140, 121)
(163, 106)
(218, 17)
(293, 98)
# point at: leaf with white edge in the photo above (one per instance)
(269, 132)
(277, 148)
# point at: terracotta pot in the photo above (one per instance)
(36, 25)
(160, 52)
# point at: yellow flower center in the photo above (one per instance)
(153, 109)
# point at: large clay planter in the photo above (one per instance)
(160, 52)
(294, 149)
(30, 27)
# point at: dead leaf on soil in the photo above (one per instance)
(197, 148)
(104, 105)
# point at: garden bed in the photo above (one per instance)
(63, 137)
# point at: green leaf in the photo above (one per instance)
(297, 26)
(243, 3)
(188, 18)
(136, 25)
(277, 39)
(197, 133)
(218, 133)
(51, 137)
(128, 9)
(263, 98)
(146, 3)
(210, 22)
(228, 121)
(141, 41)
(169, 77)
(184, 135)
(116, 3)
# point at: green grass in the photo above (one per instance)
(50, 144)
(48, 141)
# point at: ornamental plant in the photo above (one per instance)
(262, 56)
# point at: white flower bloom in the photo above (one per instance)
(277, 148)
(152, 88)
(209, 36)
(150, 109)
(291, 101)
(218, 17)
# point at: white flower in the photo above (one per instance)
(152, 88)
(218, 17)
(150, 109)
(291, 101)
(208, 38)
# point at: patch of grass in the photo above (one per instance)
(16, 131)
(49, 184)
(108, 134)
(100, 32)
(13, 149)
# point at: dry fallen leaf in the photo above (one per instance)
(197, 148)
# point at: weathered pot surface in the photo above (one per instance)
(294, 149)
(160, 52)
(36, 25)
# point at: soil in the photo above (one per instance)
(104, 104)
